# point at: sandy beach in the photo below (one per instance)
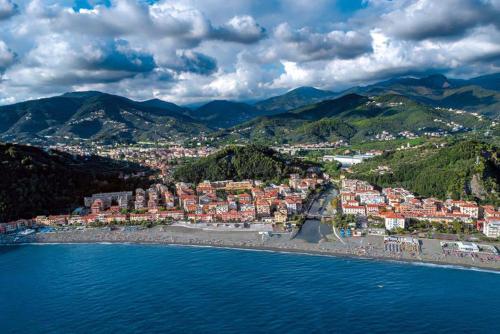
(365, 247)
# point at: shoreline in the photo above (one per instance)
(251, 241)
(443, 265)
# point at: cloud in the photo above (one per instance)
(426, 19)
(7, 56)
(7, 9)
(59, 60)
(196, 62)
(241, 29)
(306, 45)
(193, 50)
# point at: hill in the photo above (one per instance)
(240, 163)
(224, 114)
(481, 94)
(293, 99)
(461, 170)
(49, 182)
(354, 118)
(94, 116)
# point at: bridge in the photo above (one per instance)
(319, 217)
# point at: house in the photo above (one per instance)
(174, 214)
(293, 205)
(357, 210)
(469, 209)
(263, 208)
(97, 206)
(491, 227)
(394, 220)
(230, 216)
(281, 216)
(222, 207)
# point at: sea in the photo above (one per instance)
(130, 288)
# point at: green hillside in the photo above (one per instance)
(94, 116)
(354, 118)
(240, 163)
(462, 169)
(294, 99)
(38, 182)
(481, 95)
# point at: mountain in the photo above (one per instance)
(52, 182)
(94, 116)
(352, 117)
(490, 81)
(224, 114)
(241, 163)
(293, 99)
(481, 94)
(168, 106)
(461, 170)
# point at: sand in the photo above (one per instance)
(367, 247)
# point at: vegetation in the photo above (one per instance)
(240, 163)
(353, 118)
(460, 170)
(95, 116)
(36, 182)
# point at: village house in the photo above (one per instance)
(394, 220)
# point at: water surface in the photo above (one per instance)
(172, 289)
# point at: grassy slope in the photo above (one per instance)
(440, 171)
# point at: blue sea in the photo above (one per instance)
(172, 289)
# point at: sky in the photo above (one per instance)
(187, 51)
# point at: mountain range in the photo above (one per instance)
(302, 114)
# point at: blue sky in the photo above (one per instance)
(195, 50)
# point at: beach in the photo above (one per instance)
(371, 247)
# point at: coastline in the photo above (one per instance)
(244, 240)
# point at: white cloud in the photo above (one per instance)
(191, 50)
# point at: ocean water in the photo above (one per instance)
(170, 289)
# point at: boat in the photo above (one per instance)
(26, 232)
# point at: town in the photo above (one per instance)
(399, 207)
(247, 201)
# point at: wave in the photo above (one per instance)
(277, 250)
(453, 266)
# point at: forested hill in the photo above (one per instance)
(37, 182)
(94, 116)
(461, 170)
(240, 163)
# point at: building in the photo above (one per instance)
(468, 247)
(491, 227)
(394, 220)
(357, 210)
(120, 198)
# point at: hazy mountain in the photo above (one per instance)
(224, 114)
(294, 99)
(95, 116)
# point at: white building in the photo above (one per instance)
(469, 247)
(394, 220)
(354, 210)
(491, 228)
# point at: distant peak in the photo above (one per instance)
(436, 81)
(83, 94)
